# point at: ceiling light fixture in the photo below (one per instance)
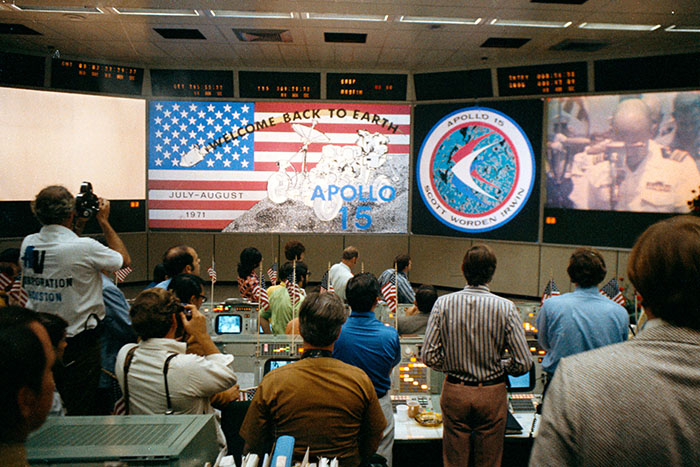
(58, 9)
(435, 20)
(674, 28)
(341, 17)
(251, 14)
(620, 27)
(530, 23)
(154, 12)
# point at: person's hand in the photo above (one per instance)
(196, 326)
(103, 214)
(224, 398)
(412, 311)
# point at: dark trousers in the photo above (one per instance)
(474, 424)
(78, 377)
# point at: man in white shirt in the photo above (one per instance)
(61, 273)
(340, 273)
(159, 320)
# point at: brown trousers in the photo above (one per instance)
(474, 424)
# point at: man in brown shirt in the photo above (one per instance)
(325, 404)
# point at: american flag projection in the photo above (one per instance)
(122, 273)
(613, 292)
(550, 290)
(389, 294)
(211, 163)
(260, 294)
(326, 285)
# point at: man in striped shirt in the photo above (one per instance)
(467, 335)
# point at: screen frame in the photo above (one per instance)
(217, 323)
(267, 367)
(531, 383)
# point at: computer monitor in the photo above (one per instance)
(274, 363)
(228, 324)
(522, 383)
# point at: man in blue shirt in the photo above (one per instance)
(403, 286)
(181, 259)
(583, 319)
(367, 343)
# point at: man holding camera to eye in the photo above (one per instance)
(61, 274)
(156, 375)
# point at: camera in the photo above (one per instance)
(86, 202)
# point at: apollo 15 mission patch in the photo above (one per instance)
(475, 169)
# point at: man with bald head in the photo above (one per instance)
(636, 173)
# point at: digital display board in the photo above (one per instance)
(366, 86)
(22, 70)
(453, 85)
(278, 166)
(561, 78)
(96, 77)
(279, 85)
(192, 83)
(641, 73)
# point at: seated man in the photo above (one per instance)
(325, 404)
(27, 385)
(281, 310)
(178, 260)
(416, 319)
(158, 319)
(403, 285)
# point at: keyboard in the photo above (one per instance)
(522, 402)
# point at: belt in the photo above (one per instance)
(454, 380)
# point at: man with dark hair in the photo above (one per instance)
(159, 320)
(294, 250)
(27, 385)
(403, 286)
(181, 259)
(635, 403)
(583, 319)
(367, 343)
(325, 404)
(467, 336)
(281, 310)
(340, 273)
(416, 318)
(189, 289)
(62, 275)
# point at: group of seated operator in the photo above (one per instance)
(74, 346)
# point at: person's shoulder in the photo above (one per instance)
(599, 361)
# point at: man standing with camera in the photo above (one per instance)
(61, 274)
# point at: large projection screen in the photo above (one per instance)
(278, 167)
(52, 138)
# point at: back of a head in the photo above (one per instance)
(176, 259)
(22, 364)
(185, 286)
(250, 259)
(350, 253)
(478, 265)
(53, 205)
(320, 318)
(55, 326)
(159, 273)
(402, 262)
(294, 250)
(288, 268)
(152, 312)
(362, 291)
(426, 296)
(664, 267)
(586, 267)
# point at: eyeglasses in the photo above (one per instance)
(203, 297)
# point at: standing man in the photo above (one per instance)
(340, 273)
(325, 404)
(61, 274)
(583, 319)
(467, 335)
(367, 343)
(181, 259)
(403, 286)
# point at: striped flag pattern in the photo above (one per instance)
(613, 292)
(250, 139)
(389, 294)
(212, 273)
(293, 289)
(122, 273)
(272, 273)
(260, 294)
(550, 290)
(5, 281)
(18, 294)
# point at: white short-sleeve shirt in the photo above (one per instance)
(61, 274)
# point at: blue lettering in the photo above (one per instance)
(390, 196)
(371, 194)
(318, 193)
(352, 190)
(332, 190)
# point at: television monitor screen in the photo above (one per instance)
(624, 153)
(522, 383)
(228, 324)
(274, 363)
